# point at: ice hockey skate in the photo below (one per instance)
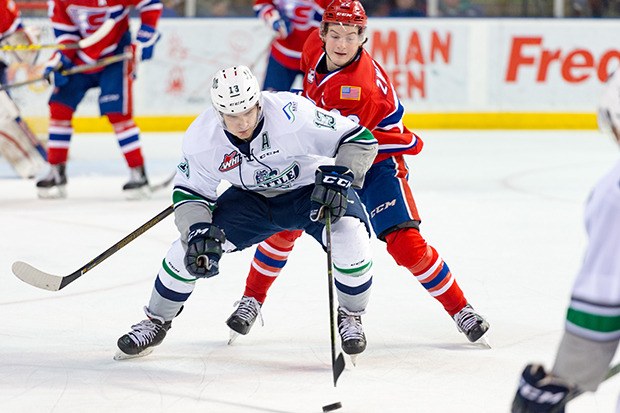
(142, 338)
(138, 185)
(472, 324)
(243, 318)
(53, 185)
(351, 332)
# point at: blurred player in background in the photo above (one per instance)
(18, 144)
(72, 21)
(342, 77)
(292, 21)
(592, 327)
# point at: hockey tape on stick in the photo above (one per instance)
(30, 275)
(337, 361)
(94, 38)
(106, 61)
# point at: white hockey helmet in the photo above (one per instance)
(608, 116)
(235, 90)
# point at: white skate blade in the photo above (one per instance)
(137, 194)
(120, 355)
(353, 358)
(55, 192)
(233, 337)
(483, 342)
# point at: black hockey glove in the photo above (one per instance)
(540, 392)
(204, 250)
(331, 184)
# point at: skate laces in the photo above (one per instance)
(248, 310)
(350, 324)
(466, 319)
(144, 332)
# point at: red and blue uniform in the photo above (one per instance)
(301, 17)
(361, 91)
(73, 20)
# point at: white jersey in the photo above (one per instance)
(291, 141)
(595, 304)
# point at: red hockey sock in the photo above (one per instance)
(128, 135)
(411, 251)
(269, 259)
(60, 132)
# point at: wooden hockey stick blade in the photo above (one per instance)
(338, 367)
(37, 278)
(97, 35)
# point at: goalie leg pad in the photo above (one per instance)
(18, 145)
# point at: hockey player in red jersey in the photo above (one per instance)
(292, 21)
(341, 76)
(72, 21)
(12, 33)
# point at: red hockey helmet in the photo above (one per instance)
(349, 12)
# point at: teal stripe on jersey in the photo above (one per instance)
(174, 275)
(594, 322)
(357, 271)
(362, 136)
(180, 196)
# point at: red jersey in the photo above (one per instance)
(304, 16)
(360, 91)
(10, 20)
(73, 20)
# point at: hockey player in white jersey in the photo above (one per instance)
(288, 162)
(592, 328)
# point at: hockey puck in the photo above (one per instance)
(333, 406)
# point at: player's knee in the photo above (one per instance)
(408, 247)
(284, 239)
(58, 111)
(115, 118)
(350, 242)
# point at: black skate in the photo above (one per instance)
(471, 323)
(138, 185)
(243, 318)
(351, 332)
(53, 185)
(142, 338)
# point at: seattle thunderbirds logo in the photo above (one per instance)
(273, 178)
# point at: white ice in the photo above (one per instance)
(504, 209)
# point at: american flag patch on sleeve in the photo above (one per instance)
(350, 92)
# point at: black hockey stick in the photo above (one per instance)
(337, 362)
(28, 274)
(578, 392)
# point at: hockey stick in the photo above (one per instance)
(578, 392)
(106, 61)
(337, 362)
(30, 275)
(94, 38)
(163, 184)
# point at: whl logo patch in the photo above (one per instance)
(231, 161)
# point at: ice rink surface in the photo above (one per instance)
(504, 209)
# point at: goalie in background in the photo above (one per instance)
(72, 21)
(18, 145)
(592, 328)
